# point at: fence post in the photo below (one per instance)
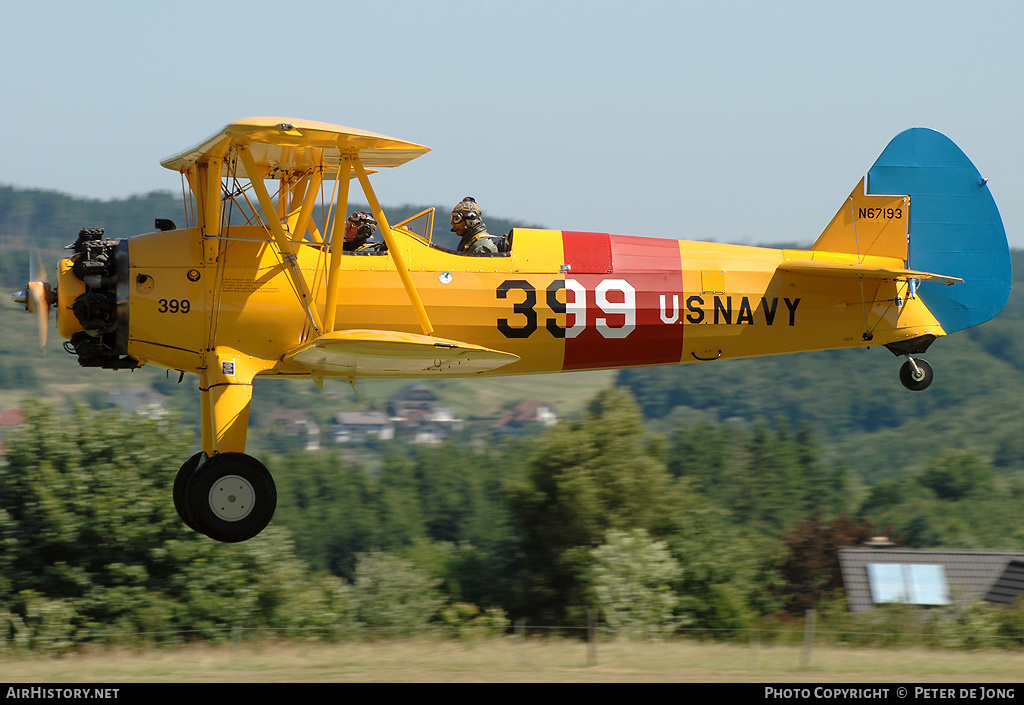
(805, 656)
(521, 634)
(591, 637)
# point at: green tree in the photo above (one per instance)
(461, 492)
(707, 453)
(586, 478)
(17, 373)
(632, 578)
(727, 572)
(93, 550)
(90, 498)
(770, 494)
(394, 596)
(330, 507)
(956, 474)
(954, 499)
(768, 478)
(397, 499)
(451, 482)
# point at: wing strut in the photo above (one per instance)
(337, 242)
(304, 222)
(280, 237)
(393, 250)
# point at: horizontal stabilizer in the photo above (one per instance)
(865, 272)
(354, 354)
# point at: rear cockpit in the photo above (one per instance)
(421, 226)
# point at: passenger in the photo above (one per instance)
(359, 228)
(468, 224)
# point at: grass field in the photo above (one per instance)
(512, 660)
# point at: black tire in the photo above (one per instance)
(185, 473)
(916, 382)
(231, 498)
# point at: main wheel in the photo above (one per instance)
(181, 480)
(916, 380)
(231, 497)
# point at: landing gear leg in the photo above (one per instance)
(221, 491)
(230, 498)
(916, 374)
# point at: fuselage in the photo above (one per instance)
(559, 300)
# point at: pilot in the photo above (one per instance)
(468, 224)
(359, 228)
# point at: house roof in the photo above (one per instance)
(1010, 585)
(289, 416)
(524, 412)
(12, 417)
(361, 418)
(971, 575)
(135, 398)
(414, 392)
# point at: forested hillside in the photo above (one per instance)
(853, 400)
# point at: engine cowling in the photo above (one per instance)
(92, 301)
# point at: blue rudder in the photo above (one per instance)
(955, 227)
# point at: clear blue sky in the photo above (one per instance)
(735, 121)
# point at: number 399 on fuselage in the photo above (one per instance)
(256, 283)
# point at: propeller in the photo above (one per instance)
(37, 297)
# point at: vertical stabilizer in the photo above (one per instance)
(867, 225)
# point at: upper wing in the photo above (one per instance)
(376, 353)
(288, 145)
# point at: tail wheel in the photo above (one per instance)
(916, 374)
(231, 497)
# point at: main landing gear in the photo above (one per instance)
(916, 374)
(230, 497)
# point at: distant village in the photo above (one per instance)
(414, 414)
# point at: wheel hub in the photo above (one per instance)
(232, 498)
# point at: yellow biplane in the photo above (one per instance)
(256, 283)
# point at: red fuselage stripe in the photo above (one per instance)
(633, 289)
